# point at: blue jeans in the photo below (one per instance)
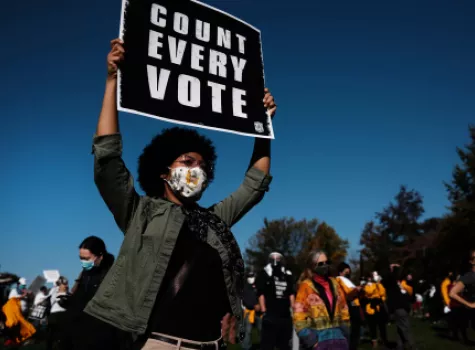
(247, 341)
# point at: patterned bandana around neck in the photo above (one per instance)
(198, 221)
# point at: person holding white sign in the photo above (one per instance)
(178, 278)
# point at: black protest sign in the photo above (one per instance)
(189, 63)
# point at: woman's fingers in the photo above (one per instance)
(118, 48)
(116, 41)
(115, 58)
(269, 102)
(268, 99)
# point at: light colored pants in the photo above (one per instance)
(153, 344)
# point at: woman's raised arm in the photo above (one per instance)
(108, 119)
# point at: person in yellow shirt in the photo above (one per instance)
(351, 293)
(444, 291)
(375, 309)
(406, 285)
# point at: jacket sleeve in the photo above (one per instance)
(302, 318)
(250, 193)
(113, 180)
(347, 291)
(444, 290)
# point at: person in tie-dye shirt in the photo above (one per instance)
(321, 315)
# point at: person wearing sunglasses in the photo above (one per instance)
(321, 315)
(179, 275)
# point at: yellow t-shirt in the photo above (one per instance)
(374, 291)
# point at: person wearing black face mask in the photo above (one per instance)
(321, 317)
(276, 297)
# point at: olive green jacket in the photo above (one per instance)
(151, 226)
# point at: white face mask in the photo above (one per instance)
(251, 280)
(187, 182)
(377, 278)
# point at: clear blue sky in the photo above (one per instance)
(371, 95)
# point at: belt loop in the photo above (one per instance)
(178, 345)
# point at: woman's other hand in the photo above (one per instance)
(115, 57)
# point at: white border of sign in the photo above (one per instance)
(127, 110)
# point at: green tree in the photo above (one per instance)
(396, 227)
(461, 190)
(326, 239)
(457, 234)
(286, 236)
(293, 239)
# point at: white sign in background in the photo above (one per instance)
(51, 275)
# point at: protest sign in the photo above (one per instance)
(51, 275)
(189, 63)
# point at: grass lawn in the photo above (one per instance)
(426, 339)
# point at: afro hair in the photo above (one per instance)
(164, 149)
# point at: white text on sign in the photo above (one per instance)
(220, 64)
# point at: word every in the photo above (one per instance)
(189, 87)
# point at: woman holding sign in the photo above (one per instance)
(178, 278)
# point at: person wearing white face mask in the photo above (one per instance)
(375, 310)
(179, 275)
(276, 292)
